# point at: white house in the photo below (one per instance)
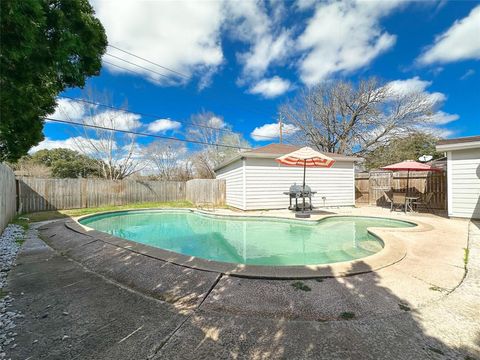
(463, 176)
(254, 180)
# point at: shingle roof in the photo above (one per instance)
(459, 140)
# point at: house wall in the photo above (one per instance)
(234, 176)
(266, 181)
(463, 178)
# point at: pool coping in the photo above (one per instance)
(394, 250)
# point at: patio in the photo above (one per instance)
(118, 301)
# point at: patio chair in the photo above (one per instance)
(425, 203)
(387, 197)
(398, 201)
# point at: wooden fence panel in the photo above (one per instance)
(8, 203)
(370, 188)
(380, 182)
(206, 191)
(56, 194)
(362, 188)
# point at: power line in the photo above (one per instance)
(250, 109)
(151, 62)
(140, 66)
(198, 142)
(156, 116)
(127, 69)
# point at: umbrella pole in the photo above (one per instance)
(408, 182)
(304, 172)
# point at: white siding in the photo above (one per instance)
(266, 181)
(234, 178)
(464, 183)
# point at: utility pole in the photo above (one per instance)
(280, 128)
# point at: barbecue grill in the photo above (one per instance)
(298, 192)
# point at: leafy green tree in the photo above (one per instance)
(66, 163)
(46, 47)
(59, 163)
(410, 147)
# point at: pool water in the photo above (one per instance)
(241, 240)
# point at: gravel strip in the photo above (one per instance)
(8, 252)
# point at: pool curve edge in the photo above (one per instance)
(394, 250)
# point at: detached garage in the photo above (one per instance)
(256, 181)
(463, 176)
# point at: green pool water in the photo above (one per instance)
(242, 240)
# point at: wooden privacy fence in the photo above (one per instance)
(51, 194)
(370, 188)
(7, 196)
(206, 191)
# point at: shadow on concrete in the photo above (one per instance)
(330, 318)
(203, 315)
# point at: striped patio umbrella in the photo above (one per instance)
(306, 157)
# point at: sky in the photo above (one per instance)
(242, 59)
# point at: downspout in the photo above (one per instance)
(244, 183)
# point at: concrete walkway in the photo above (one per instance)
(88, 300)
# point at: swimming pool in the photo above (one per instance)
(248, 240)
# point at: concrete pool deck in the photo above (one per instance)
(123, 304)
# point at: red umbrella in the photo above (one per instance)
(410, 165)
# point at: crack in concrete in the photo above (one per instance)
(172, 334)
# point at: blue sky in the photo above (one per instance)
(241, 60)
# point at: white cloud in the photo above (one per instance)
(343, 37)
(304, 4)
(271, 88)
(216, 122)
(114, 119)
(77, 143)
(265, 51)
(441, 118)
(68, 110)
(269, 132)
(269, 43)
(430, 122)
(181, 35)
(468, 73)
(415, 85)
(459, 42)
(79, 112)
(163, 125)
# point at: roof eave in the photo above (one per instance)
(458, 146)
(274, 156)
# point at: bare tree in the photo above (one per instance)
(118, 153)
(340, 117)
(168, 159)
(212, 129)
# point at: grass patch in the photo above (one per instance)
(20, 241)
(347, 315)
(298, 285)
(435, 350)
(404, 307)
(59, 214)
(465, 256)
(20, 220)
